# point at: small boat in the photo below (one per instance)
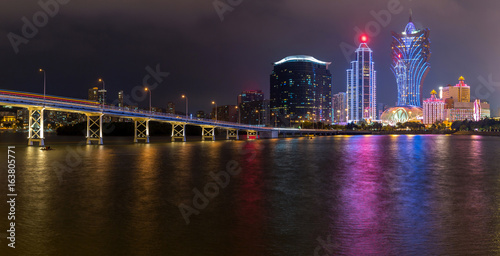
(46, 148)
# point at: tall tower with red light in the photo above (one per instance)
(361, 85)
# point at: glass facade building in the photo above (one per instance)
(339, 107)
(301, 89)
(410, 54)
(362, 86)
(250, 105)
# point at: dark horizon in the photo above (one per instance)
(209, 59)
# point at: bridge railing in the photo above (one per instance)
(180, 117)
(49, 102)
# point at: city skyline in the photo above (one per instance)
(101, 42)
(223, 127)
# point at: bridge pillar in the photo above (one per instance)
(141, 131)
(208, 132)
(36, 126)
(252, 135)
(179, 131)
(232, 133)
(94, 128)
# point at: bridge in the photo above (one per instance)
(37, 104)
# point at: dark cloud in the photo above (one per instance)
(209, 59)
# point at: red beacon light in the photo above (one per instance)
(364, 38)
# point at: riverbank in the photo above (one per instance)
(412, 132)
(477, 133)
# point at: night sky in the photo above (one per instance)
(209, 59)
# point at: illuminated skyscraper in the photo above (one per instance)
(362, 86)
(301, 89)
(410, 53)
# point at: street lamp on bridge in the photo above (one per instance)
(103, 91)
(185, 97)
(275, 119)
(239, 114)
(258, 113)
(44, 84)
(150, 109)
(214, 103)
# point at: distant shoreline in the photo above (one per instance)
(356, 132)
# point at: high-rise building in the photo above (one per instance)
(410, 53)
(227, 113)
(339, 105)
(94, 94)
(120, 99)
(433, 109)
(170, 108)
(301, 89)
(459, 92)
(265, 113)
(249, 104)
(97, 95)
(362, 86)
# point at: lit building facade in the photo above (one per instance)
(228, 113)
(250, 103)
(200, 114)
(361, 86)
(170, 108)
(459, 92)
(301, 89)
(120, 99)
(94, 94)
(97, 95)
(433, 109)
(410, 54)
(393, 116)
(468, 111)
(458, 105)
(339, 104)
